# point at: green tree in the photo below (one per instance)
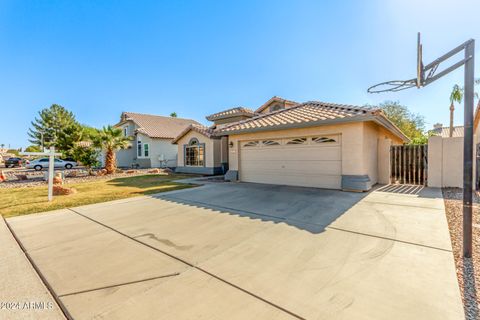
(173, 114)
(88, 156)
(110, 139)
(58, 127)
(88, 132)
(411, 124)
(33, 149)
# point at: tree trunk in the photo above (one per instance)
(110, 162)
(452, 109)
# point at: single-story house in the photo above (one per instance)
(311, 144)
(152, 138)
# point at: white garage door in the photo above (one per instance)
(302, 161)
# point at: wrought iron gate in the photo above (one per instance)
(408, 164)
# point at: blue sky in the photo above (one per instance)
(99, 58)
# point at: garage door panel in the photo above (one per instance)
(314, 181)
(294, 167)
(297, 154)
(317, 165)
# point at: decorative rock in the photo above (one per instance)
(168, 170)
(22, 177)
(72, 174)
(130, 171)
(61, 191)
(102, 172)
(58, 180)
(154, 171)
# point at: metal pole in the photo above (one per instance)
(468, 149)
(51, 167)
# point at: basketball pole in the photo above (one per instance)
(468, 62)
(468, 148)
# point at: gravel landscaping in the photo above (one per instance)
(468, 270)
(35, 179)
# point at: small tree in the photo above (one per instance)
(88, 156)
(411, 124)
(110, 139)
(173, 114)
(2, 145)
(33, 148)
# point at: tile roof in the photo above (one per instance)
(309, 114)
(272, 99)
(444, 132)
(233, 112)
(158, 126)
(209, 132)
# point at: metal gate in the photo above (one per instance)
(408, 164)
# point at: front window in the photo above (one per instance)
(146, 151)
(139, 148)
(194, 154)
(125, 131)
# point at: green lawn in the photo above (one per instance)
(18, 201)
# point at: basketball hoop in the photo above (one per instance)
(428, 74)
(392, 86)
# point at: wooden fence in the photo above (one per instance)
(408, 164)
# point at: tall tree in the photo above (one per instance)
(411, 124)
(55, 126)
(455, 96)
(111, 139)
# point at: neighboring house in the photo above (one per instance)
(152, 138)
(444, 132)
(312, 144)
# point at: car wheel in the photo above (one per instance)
(38, 167)
(68, 166)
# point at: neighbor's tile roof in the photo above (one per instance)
(158, 126)
(233, 112)
(312, 111)
(275, 99)
(444, 132)
(206, 131)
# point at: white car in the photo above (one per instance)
(41, 163)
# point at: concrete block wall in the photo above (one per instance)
(445, 162)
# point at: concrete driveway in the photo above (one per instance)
(249, 251)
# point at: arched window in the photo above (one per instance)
(194, 153)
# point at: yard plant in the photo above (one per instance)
(110, 139)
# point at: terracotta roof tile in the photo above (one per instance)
(206, 131)
(312, 111)
(158, 126)
(445, 131)
(233, 112)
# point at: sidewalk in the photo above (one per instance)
(22, 294)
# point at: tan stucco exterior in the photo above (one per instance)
(359, 148)
(445, 162)
(215, 149)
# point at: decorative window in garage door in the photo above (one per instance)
(324, 139)
(271, 143)
(297, 141)
(251, 144)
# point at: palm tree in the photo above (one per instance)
(110, 139)
(2, 145)
(455, 96)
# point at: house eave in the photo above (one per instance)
(361, 118)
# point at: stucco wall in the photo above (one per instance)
(445, 162)
(383, 156)
(365, 147)
(157, 147)
(352, 143)
(210, 145)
